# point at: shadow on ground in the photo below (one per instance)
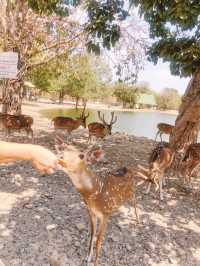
(44, 217)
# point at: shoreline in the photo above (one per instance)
(42, 105)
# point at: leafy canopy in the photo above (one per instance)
(125, 94)
(168, 99)
(175, 29)
(77, 77)
(103, 18)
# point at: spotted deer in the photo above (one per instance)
(160, 161)
(164, 128)
(190, 162)
(102, 195)
(41, 158)
(100, 130)
(16, 122)
(69, 124)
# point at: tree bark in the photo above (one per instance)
(61, 96)
(188, 121)
(77, 102)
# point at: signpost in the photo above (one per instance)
(8, 65)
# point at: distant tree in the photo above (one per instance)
(125, 94)
(144, 87)
(28, 28)
(81, 79)
(168, 99)
(78, 76)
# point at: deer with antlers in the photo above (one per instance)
(69, 124)
(160, 160)
(164, 128)
(17, 122)
(102, 195)
(100, 130)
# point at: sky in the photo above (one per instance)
(159, 77)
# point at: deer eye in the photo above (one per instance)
(81, 156)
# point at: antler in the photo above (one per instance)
(113, 120)
(101, 118)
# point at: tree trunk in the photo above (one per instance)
(188, 121)
(77, 101)
(4, 102)
(12, 97)
(61, 96)
(84, 101)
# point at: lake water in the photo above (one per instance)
(142, 124)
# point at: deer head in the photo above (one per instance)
(112, 121)
(73, 156)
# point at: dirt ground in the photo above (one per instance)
(44, 217)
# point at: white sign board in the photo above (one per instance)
(8, 65)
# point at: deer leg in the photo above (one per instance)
(89, 139)
(93, 223)
(161, 136)
(27, 131)
(135, 207)
(102, 228)
(161, 188)
(164, 181)
(156, 135)
(31, 132)
(148, 189)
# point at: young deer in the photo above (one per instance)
(190, 161)
(16, 122)
(100, 130)
(164, 128)
(41, 158)
(159, 161)
(70, 124)
(102, 195)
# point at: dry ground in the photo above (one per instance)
(44, 217)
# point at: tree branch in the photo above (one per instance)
(56, 45)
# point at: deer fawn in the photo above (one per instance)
(190, 161)
(41, 158)
(16, 122)
(160, 160)
(70, 124)
(164, 128)
(100, 130)
(102, 195)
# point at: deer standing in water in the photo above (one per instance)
(16, 122)
(100, 130)
(164, 128)
(102, 195)
(160, 161)
(41, 158)
(69, 124)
